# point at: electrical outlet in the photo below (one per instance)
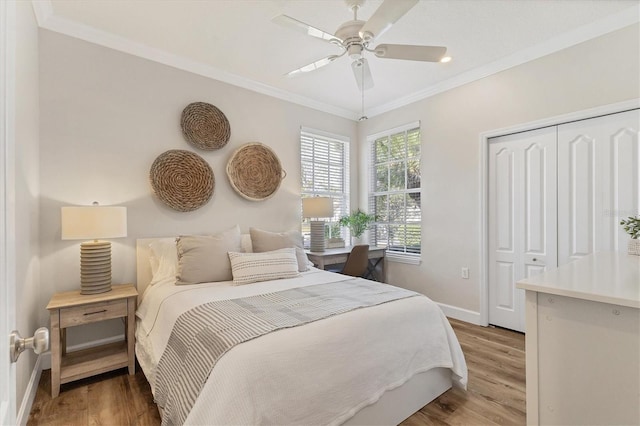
(464, 272)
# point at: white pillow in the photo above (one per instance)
(163, 259)
(245, 242)
(250, 268)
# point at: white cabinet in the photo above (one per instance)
(583, 342)
(555, 195)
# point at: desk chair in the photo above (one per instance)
(357, 261)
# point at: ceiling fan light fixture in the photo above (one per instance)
(355, 51)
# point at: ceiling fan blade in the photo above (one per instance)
(386, 15)
(294, 24)
(314, 65)
(362, 74)
(410, 52)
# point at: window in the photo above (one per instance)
(324, 162)
(394, 194)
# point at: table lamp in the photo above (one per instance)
(91, 223)
(317, 207)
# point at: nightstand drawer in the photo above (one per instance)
(86, 314)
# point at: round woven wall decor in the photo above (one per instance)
(182, 180)
(255, 172)
(205, 126)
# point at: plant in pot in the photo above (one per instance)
(631, 226)
(332, 235)
(357, 222)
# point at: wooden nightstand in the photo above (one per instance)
(71, 308)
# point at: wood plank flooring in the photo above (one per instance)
(495, 393)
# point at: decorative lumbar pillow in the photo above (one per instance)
(203, 258)
(250, 268)
(164, 259)
(262, 241)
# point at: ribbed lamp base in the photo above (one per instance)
(95, 267)
(317, 236)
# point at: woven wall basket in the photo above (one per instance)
(182, 180)
(205, 126)
(255, 172)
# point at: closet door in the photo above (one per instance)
(598, 183)
(522, 218)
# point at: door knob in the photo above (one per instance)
(535, 260)
(39, 342)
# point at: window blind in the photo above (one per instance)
(324, 161)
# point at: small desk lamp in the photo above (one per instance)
(317, 207)
(94, 222)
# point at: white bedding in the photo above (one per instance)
(320, 373)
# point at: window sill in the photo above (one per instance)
(411, 259)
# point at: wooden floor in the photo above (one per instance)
(495, 394)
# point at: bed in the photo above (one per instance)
(374, 366)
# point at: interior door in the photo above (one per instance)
(522, 218)
(7, 284)
(598, 183)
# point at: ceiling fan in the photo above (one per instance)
(354, 38)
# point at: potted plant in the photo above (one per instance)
(631, 225)
(332, 235)
(357, 222)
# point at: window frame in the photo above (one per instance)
(342, 206)
(395, 255)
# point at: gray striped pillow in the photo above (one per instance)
(250, 268)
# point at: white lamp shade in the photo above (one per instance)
(93, 222)
(317, 207)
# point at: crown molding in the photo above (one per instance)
(43, 10)
(571, 38)
(48, 20)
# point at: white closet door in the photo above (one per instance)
(598, 183)
(522, 218)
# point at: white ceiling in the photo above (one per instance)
(235, 41)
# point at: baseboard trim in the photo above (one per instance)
(461, 314)
(30, 393)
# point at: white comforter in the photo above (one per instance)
(320, 373)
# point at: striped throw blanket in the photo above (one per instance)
(202, 335)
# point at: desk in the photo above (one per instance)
(336, 256)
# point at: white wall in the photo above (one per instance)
(106, 115)
(598, 72)
(29, 303)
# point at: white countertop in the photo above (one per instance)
(607, 277)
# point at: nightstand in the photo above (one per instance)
(71, 308)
